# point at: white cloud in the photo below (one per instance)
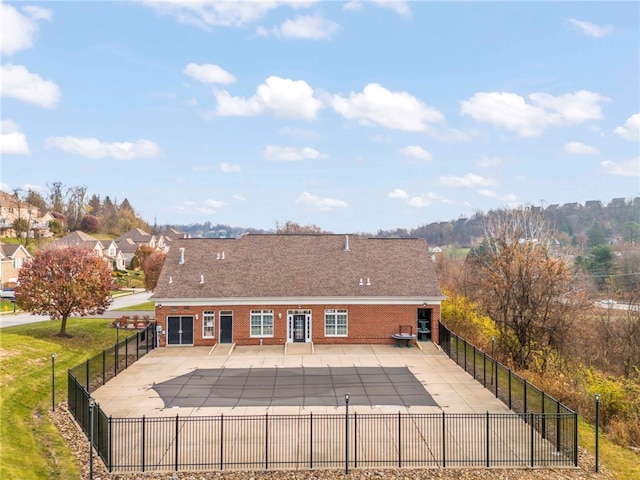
(12, 140)
(399, 6)
(291, 154)
(17, 30)
(310, 27)
(279, 96)
(630, 168)
(209, 73)
(631, 128)
(579, 148)
(468, 180)
(590, 29)
(395, 110)
(230, 168)
(94, 149)
(417, 201)
(417, 152)
(398, 193)
(508, 197)
(353, 6)
(239, 198)
(211, 13)
(511, 111)
(18, 82)
(318, 203)
(488, 162)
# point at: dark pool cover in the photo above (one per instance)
(271, 387)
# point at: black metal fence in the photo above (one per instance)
(97, 371)
(542, 432)
(514, 391)
(332, 441)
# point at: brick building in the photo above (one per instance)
(273, 289)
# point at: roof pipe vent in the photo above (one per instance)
(181, 262)
(361, 283)
(346, 243)
(222, 258)
(170, 280)
(201, 279)
(368, 281)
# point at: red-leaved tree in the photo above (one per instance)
(64, 282)
(151, 268)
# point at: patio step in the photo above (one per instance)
(298, 348)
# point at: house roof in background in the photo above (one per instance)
(273, 266)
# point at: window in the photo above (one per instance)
(262, 323)
(18, 262)
(208, 324)
(335, 323)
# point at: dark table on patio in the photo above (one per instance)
(403, 337)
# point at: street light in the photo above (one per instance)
(597, 396)
(53, 382)
(117, 332)
(346, 433)
(92, 404)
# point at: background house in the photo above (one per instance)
(12, 209)
(273, 289)
(12, 257)
(108, 250)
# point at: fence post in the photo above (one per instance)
(110, 464)
(532, 441)
(525, 396)
(484, 369)
(176, 452)
(399, 440)
(87, 379)
(544, 417)
(474, 361)
(444, 440)
(104, 367)
(266, 441)
(597, 397)
(355, 441)
(464, 344)
(509, 388)
(346, 434)
(558, 431)
(495, 367)
(143, 425)
(126, 353)
(575, 438)
(488, 448)
(221, 441)
(115, 363)
(311, 440)
(138, 346)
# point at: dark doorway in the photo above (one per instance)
(299, 332)
(180, 330)
(424, 324)
(226, 327)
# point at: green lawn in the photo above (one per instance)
(150, 306)
(30, 445)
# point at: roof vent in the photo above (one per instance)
(368, 281)
(181, 262)
(361, 283)
(346, 243)
(222, 258)
(201, 279)
(170, 280)
(218, 256)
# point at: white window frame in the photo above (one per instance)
(262, 316)
(209, 315)
(333, 314)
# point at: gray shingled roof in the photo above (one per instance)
(275, 266)
(77, 238)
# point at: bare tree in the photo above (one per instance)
(528, 292)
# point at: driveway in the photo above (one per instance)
(11, 319)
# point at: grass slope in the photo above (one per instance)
(30, 445)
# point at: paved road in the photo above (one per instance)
(11, 319)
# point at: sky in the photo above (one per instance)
(352, 116)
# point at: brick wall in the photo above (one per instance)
(367, 324)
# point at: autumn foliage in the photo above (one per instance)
(152, 267)
(64, 282)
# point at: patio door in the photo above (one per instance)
(299, 326)
(299, 332)
(226, 327)
(180, 330)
